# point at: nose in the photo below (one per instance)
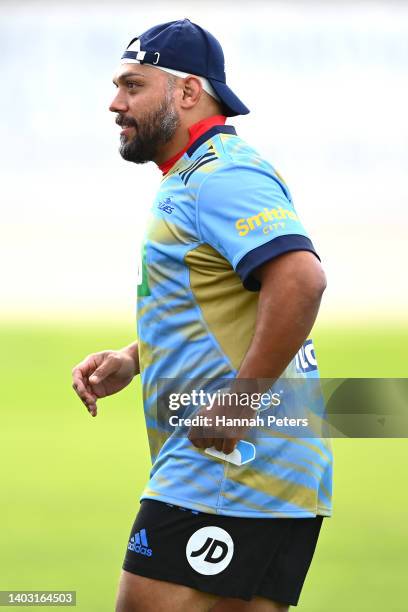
(119, 104)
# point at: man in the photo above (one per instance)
(230, 288)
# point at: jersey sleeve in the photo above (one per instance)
(246, 213)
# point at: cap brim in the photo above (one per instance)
(230, 100)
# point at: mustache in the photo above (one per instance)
(123, 121)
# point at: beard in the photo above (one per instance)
(154, 129)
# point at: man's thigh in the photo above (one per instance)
(140, 594)
(257, 604)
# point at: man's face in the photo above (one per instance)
(145, 110)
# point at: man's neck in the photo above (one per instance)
(185, 136)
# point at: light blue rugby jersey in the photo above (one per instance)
(221, 211)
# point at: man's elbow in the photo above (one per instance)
(313, 284)
(319, 282)
(300, 271)
(310, 278)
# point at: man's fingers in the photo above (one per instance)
(228, 445)
(218, 444)
(225, 445)
(92, 410)
(196, 437)
(86, 398)
(79, 386)
(95, 368)
(110, 366)
(197, 442)
(83, 391)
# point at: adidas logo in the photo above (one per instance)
(138, 543)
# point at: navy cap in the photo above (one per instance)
(185, 46)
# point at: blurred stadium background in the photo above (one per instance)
(327, 86)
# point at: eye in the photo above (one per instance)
(132, 85)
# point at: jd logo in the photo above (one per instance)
(211, 546)
(210, 550)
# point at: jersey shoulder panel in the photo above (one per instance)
(221, 151)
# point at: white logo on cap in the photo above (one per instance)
(135, 46)
(209, 550)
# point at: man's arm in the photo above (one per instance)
(291, 289)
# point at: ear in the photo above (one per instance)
(192, 91)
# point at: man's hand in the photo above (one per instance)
(223, 437)
(104, 373)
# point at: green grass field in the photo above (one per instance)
(70, 483)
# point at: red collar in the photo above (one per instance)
(195, 132)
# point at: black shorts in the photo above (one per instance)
(223, 555)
